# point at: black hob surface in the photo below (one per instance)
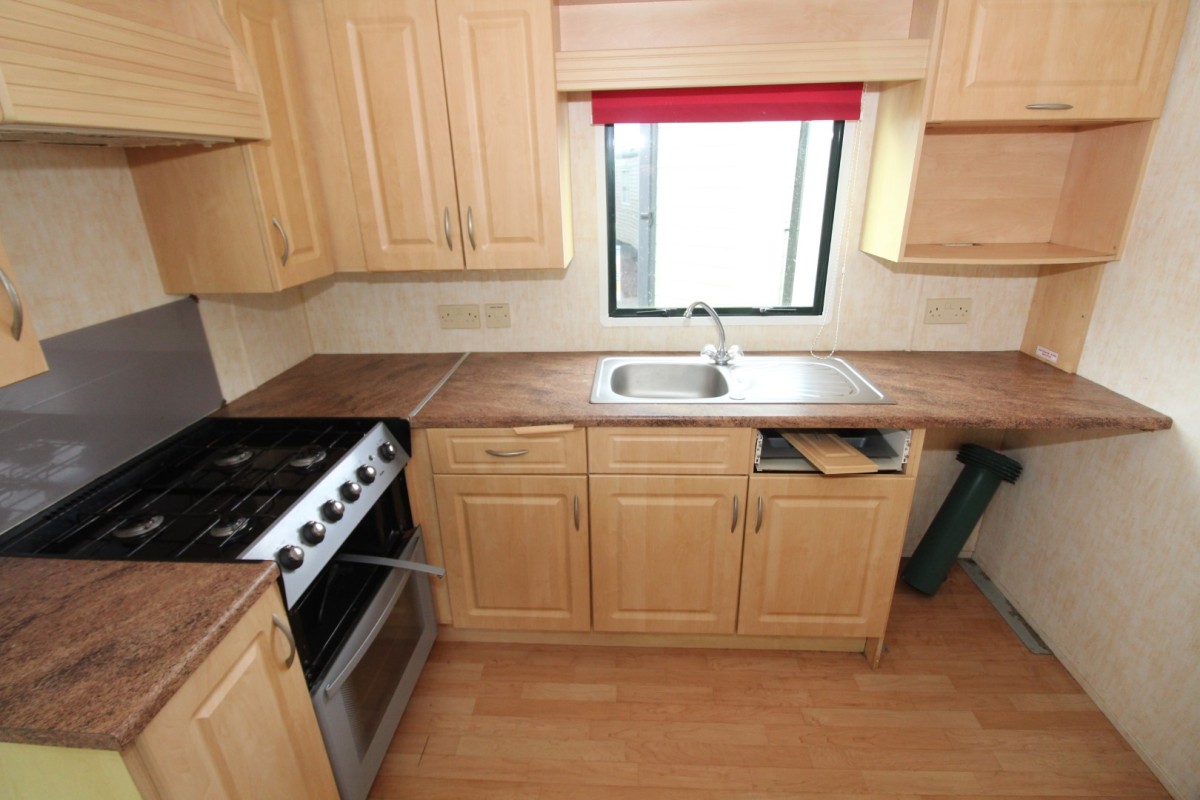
(204, 495)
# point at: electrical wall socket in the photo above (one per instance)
(947, 310)
(461, 316)
(496, 315)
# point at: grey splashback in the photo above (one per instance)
(112, 390)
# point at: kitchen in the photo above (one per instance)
(1097, 559)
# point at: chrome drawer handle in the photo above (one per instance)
(446, 226)
(507, 453)
(1049, 106)
(278, 623)
(18, 320)
(758, 524)
(471, 227)
(733, 525)
(287, 246)
(576, 512)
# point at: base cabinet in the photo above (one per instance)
(516, 547)
(241, 726)
(666, 552)
(821, 554)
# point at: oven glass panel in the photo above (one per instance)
(328, 611)
(368, 691)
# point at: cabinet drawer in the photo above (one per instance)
(671, 451)
(501, 450)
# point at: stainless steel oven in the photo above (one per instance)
(324, 498)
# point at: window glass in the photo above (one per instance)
(736, 214)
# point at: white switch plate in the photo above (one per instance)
(947, 310)
(497, 315)
(460, 316)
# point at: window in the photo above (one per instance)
(738, 214)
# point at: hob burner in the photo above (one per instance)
(137, 527)
(227, 528)
(232, 456)
(307, 458)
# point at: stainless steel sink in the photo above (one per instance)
(749, 379)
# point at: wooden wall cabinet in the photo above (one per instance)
(20, 353)
(241, 218)
(822, 554)
(131, 72)
(455, 132)
(1052, 60)
(241, 726)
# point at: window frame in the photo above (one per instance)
(824, 251)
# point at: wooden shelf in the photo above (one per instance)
(1005, 254)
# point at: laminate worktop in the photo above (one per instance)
(1006, 390)
(90, 651)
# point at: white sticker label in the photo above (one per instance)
(1047, 354)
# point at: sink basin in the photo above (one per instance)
(749, 379)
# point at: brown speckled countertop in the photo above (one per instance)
(90, 651)
(373, 386)
(1007, 390)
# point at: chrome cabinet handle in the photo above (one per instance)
(471, 227)
(576, 512)
(18, 320)
(506, 453)
(733, 525)
(287, 664)
(1049, 106)
(446, 227)
(758, 524)
(287, 246)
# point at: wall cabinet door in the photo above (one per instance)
(241, 218)
(453, 128)
(821, 554)
(242, 726)
(666, 552)
(20, 354)
(516, 548)
(1109, 60)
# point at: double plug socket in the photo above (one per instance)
(947, 310)
(495, 315)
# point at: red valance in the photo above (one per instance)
(729, 104)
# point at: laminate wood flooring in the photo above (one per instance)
(959, 708)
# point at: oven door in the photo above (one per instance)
(360, 697)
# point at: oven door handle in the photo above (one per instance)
(394, 563)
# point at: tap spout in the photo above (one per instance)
(720, 355)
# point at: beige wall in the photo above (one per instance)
(562, 310)
(70, 222)
(1098, 544)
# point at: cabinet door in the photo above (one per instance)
(20, 354)
(516, 548)
(1109, 60)
(505, 121)
(284, 166)
(666, 552)
(821, 554)
(388, 67)
(242, 726)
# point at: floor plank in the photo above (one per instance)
(958, 709)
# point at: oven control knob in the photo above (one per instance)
(367, 474)
(351, 491)
(313, 532)
(387, 451)
(290, 557)
(333, 510)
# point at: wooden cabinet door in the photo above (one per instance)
(291, 218)
(821, 555)
(20, 353)
(505, 123)
(388, 66)
(1108, 60)
(666, 552)
(242, 726)
(516, 548)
